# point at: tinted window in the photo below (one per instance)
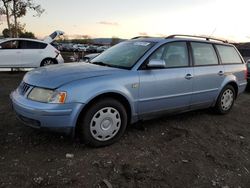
(174, 54)
(32, 45)
(204, 54)
(53, 35)
(10, 45)
(228, 54)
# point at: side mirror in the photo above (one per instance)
(156, 63)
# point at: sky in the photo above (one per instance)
(227, 19)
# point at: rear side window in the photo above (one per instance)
(228, 54)
(204, 54)
(32, 45)
(174, 54)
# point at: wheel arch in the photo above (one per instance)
(117, 96)
(54, 59)
(235, 86)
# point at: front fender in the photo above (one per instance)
(84, 91)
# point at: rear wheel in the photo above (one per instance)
(103, 123)
(48, 61)
(225, 100)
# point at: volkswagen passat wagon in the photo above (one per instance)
(135, 80)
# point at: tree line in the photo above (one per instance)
(13, 10)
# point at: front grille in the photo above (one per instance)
(23, 88)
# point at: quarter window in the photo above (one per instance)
(174, 54)
(204, 54)
(228, 54)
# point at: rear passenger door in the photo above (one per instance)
(32, 52)
(170, 88)
(208, 74)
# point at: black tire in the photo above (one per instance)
(48, 61)
(221, 107)
(87, 123)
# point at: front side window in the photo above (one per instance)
(174, 54)
(204, 54)
(123, 55)
(13, 44)
(228, 54)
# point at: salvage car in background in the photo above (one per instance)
(29, 53)
(89, 57)
(248, 71)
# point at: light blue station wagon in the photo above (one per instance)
(135, 80)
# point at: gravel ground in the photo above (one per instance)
(195, 149)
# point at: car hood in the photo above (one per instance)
(54, 76)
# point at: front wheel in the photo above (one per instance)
(103, 123)
(225, 100)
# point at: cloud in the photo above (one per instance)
(143, 34)
(108, 23)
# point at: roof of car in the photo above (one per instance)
(34, 40)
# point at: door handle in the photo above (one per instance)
(189, 76)
(221, 73)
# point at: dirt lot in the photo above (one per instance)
(196, 149)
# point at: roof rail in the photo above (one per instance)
(194, 36)
(140, 37)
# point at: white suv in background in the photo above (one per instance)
(29, 53)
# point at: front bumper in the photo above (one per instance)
(56, 117)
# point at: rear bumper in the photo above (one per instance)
(60, 59)
(58, 118)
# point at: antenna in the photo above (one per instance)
(213, 32)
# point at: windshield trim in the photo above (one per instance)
(153, 44)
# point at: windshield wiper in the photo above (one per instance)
(108, 65)
(101, 63)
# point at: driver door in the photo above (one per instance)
(169, 88)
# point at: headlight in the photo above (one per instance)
(47, 95)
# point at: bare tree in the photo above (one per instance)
(16, 9)
(20, 8)
(5, 10)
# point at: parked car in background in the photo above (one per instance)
(80, 47)
(91, 49)
(89, 57)
(248, 70)
(134, 80)
(101, 49)
(29, 53)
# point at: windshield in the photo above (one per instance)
(123, 55)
